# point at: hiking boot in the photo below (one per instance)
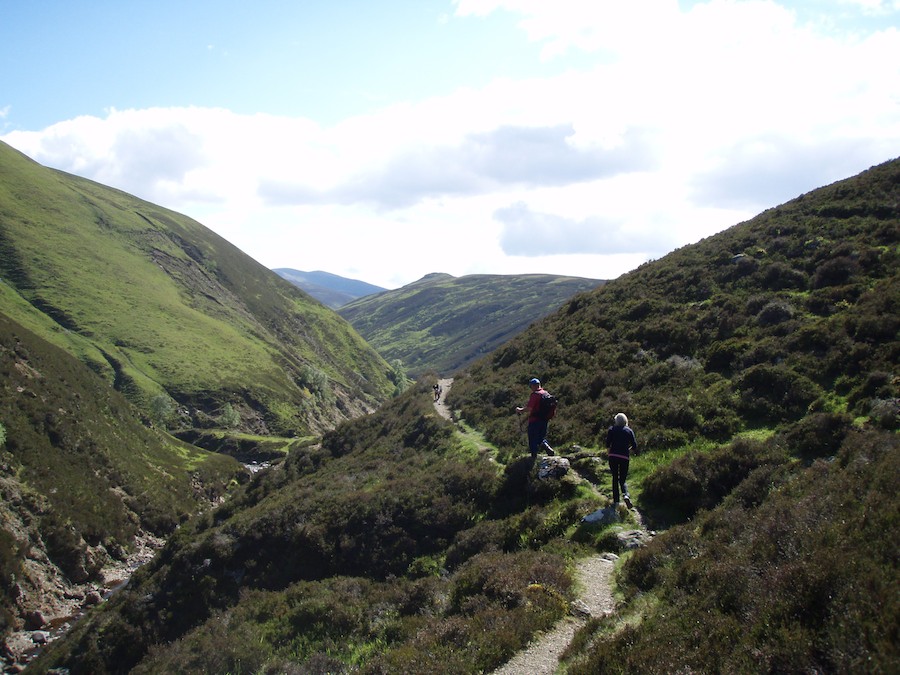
(627, 501)
(550, 451)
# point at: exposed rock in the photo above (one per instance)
(605, 516)
(553, 467)
(35, 619)
(40, 637)
(632, 539)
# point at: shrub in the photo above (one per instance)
(723, 356)
(818, 435)
(835, 272)
(774, 313)
(162, 407)
(886, 413)
(773, 393)
(779, 276)
(506, 578)
(229, 418)
(483, 537)
(701, 480)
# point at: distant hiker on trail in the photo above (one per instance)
(538, 420)
(620, 442)
(437, 391)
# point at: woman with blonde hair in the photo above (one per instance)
(620, 442)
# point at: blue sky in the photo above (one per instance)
(384, 141)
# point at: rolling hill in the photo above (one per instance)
(329, 289)
(183, 323)
(442, 323)
(758, 368)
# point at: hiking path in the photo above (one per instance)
(594, 590)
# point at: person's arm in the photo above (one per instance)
(530, 406)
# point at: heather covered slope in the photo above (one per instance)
(81, 478)
(795, 311)
(335, 557)
(170, 314)
(758, 368)
(443, 323)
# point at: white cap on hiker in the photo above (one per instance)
(534, 380)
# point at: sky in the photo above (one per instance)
(383, 141)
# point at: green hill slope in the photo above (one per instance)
(172, 315)
(81, 477)
(792, 312)
(758, 368)
(443, 323)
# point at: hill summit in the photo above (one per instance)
(443, 323)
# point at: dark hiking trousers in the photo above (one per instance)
(537, 436)
(619, 469)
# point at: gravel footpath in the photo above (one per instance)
(541, 657)
(593, 575)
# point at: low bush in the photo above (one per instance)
(701, 480)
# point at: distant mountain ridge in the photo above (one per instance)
(330, 289)
(442, 323)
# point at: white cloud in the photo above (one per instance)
(683, 122)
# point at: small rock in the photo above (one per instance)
(35, 619)
(602, 516)
(553, 467)
(632, 539)
(40, 637)
(578, 607)
(92, 598)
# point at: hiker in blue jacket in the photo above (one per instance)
(537, 425)
(620, 442)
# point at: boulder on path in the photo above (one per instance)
(553, 467)
(604, 516)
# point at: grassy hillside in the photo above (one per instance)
(80, 477)
(442, 323)
(758, 368)
(170, 314)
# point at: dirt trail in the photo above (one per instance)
(595, 593)
(541, 657)
(441, 404)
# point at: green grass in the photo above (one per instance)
(154, 302)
